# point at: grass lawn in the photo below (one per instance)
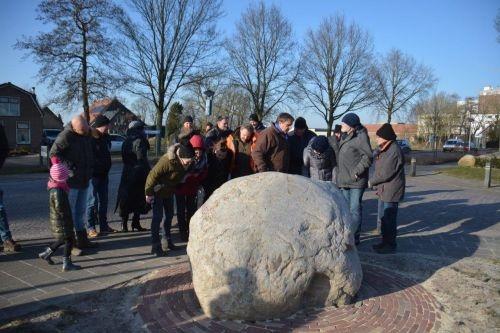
(472, 173)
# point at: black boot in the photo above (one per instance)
(157, 250)
(82, 242)
(172, 246)
(136, 224)
(68, 265)
(45, 255)
(125, 224)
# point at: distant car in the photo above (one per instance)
(116, 142)
(49, 136)
(405, 145)
(465, 147)
(453, 145)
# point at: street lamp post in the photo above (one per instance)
(470, 130)
(208, 102)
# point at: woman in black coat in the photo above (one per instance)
(131, 197)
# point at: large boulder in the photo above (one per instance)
(467, 161)
(266, 245)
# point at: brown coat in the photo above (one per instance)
(271, 151)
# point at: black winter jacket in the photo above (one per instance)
(60, 218)
(4, 146)
(131, 197)
(101, 144)
(76, 150)
(354, 157)
(319, 166)
(296, 145)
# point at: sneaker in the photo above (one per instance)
(11, 246)
(92, 233)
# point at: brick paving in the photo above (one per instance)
(386, 303)
(442, 216)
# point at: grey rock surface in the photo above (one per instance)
(267, 245)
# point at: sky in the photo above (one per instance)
(456, 38)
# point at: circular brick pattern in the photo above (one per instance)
(387, 302)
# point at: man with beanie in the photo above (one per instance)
(73, 146)
(184, 132)
(354, 158)
(97, 204)
(298, 140)
(319, 159)
(256, 123)
(389, 179)
(160, 187)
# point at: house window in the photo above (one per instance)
(23, 133)
(9, 106)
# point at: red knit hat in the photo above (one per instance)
(59, 172)
(197, 142)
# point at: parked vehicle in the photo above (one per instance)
(49, 136)
(405, 145)
(116, 142)
(473, 147)
(453, 145)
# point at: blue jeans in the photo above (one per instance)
(354, 197)
(78, 202)
(161, 205)
(97, 203)
(4, 222)
(380, 213)
(389, 225)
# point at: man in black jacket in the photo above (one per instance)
(354, 158)
(9, 245)
(74, 147)
(298, 140)
(97, 205)
(220, 131)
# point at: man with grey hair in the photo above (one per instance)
(73, 146)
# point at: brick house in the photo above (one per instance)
(50, 120)
(119, 115)
(21, 116)
(403, 131)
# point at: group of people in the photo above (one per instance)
(197, 163)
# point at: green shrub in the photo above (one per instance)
(495, 162)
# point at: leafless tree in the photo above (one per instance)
(434, 115)
(74, 55)
(334, 69)
(262, 57)
(399, 80)
(166, 43)
(497, 25)
(145, 110)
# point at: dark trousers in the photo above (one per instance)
(68, 245)
(97, 204)
(389, 223)
(161, 205)
(186, 207)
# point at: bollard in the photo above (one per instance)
(487, 174)
(413, 167)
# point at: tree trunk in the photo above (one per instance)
(389, 116)
(159, 118)
(329, 125)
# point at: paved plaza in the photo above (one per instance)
(441, 216)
